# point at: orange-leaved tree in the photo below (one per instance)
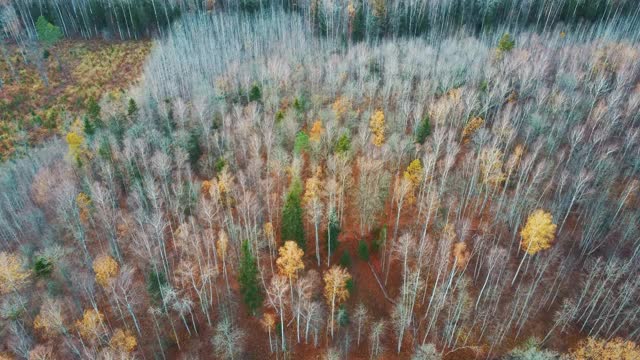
(615, 349)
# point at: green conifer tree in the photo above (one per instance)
(248, 279)
(292, 216)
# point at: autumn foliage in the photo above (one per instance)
(538, 233)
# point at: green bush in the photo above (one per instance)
(345, 259)
(42, 266)
(363, 250)
(506, 43)
(255, 94)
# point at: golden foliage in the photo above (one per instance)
(50, 319)
(268, 321)
(341, 106)
(313, 188)
(414, 173)
(123, 341)
(222, 243)
(316, 131)
(91, 326)
(461, 254)
(351, 10)
(335, 284)
(515, 158)
(75, 141)
(12, 276)
(268, 229)
(538, 233)
(376, 125)
(379, 8)
(290, 260)
(223, 187)
(205, 188)
(106, 268)
(84, 204)
(491, 166)
(472, 126)
(616, 349)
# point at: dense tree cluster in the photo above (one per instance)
(196, 216)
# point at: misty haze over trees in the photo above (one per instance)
(382, 179)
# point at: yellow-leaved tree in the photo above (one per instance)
(316, 131)
(413, 175)
(50, 319)
(106, 269)
(123, 341)
(75, 141)
(461, 254)
(472, 126)
(491, 166)
(84, 205)
(335, 288)
(537, 235)
(615, 349)
(376, 125)
(290, 260)
(268, 322)
(91, 326)
(12, 276)
(312, 200)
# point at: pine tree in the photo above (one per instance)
(292, 216)
(93, 109)
(248, 279)
(89, 128)
(424, 130)
(48, 33)
(132, 107)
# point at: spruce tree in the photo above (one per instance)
(248, 279)
(423, 130)
(292, 221)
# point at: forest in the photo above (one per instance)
(320, 179)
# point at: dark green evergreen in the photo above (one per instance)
(255, 94)
(345, 259)
(248, 279)
(292, 216)
(42, 266)
(424, 130)
(363, 250)
(132, 107)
